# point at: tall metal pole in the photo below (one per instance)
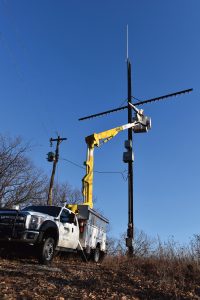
(130, 230)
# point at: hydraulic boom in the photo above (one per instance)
(140, 123)
(96, 140)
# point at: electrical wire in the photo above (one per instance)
(73, 163)
(122, 173)
(123, 103)
(126, 100)
(136, 98)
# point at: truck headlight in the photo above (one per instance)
(35, 222)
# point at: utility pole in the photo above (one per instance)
(130, 230)
(53, 157)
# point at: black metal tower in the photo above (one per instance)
(130, 230)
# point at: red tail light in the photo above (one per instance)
(81, 227)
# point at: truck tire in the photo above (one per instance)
(46, 251)
(97, 255)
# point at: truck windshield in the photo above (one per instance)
(49, 210)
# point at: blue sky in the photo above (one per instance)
(61, 60)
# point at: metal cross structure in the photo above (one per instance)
(130, 229)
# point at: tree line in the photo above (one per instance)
(22, 183)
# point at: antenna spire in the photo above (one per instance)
(127, 42)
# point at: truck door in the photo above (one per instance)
(68, 237)
(75, 228)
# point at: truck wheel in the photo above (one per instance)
(97, 255)
(46, 251)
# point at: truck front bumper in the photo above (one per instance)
(27, 236)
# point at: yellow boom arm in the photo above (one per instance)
(95, 140)
(141, 124)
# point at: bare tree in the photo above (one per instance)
(20, 181)
(195, 247)
(143, 245)
(64, 193)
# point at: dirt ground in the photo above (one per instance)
(69, 279)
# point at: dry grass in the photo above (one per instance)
(163, 270)
(160, 275)
(171, 279)
(156, 271)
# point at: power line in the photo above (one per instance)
(73, 163)
(122, 173)
(136, 98)
(124, 101)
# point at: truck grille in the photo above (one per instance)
(11, 224)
